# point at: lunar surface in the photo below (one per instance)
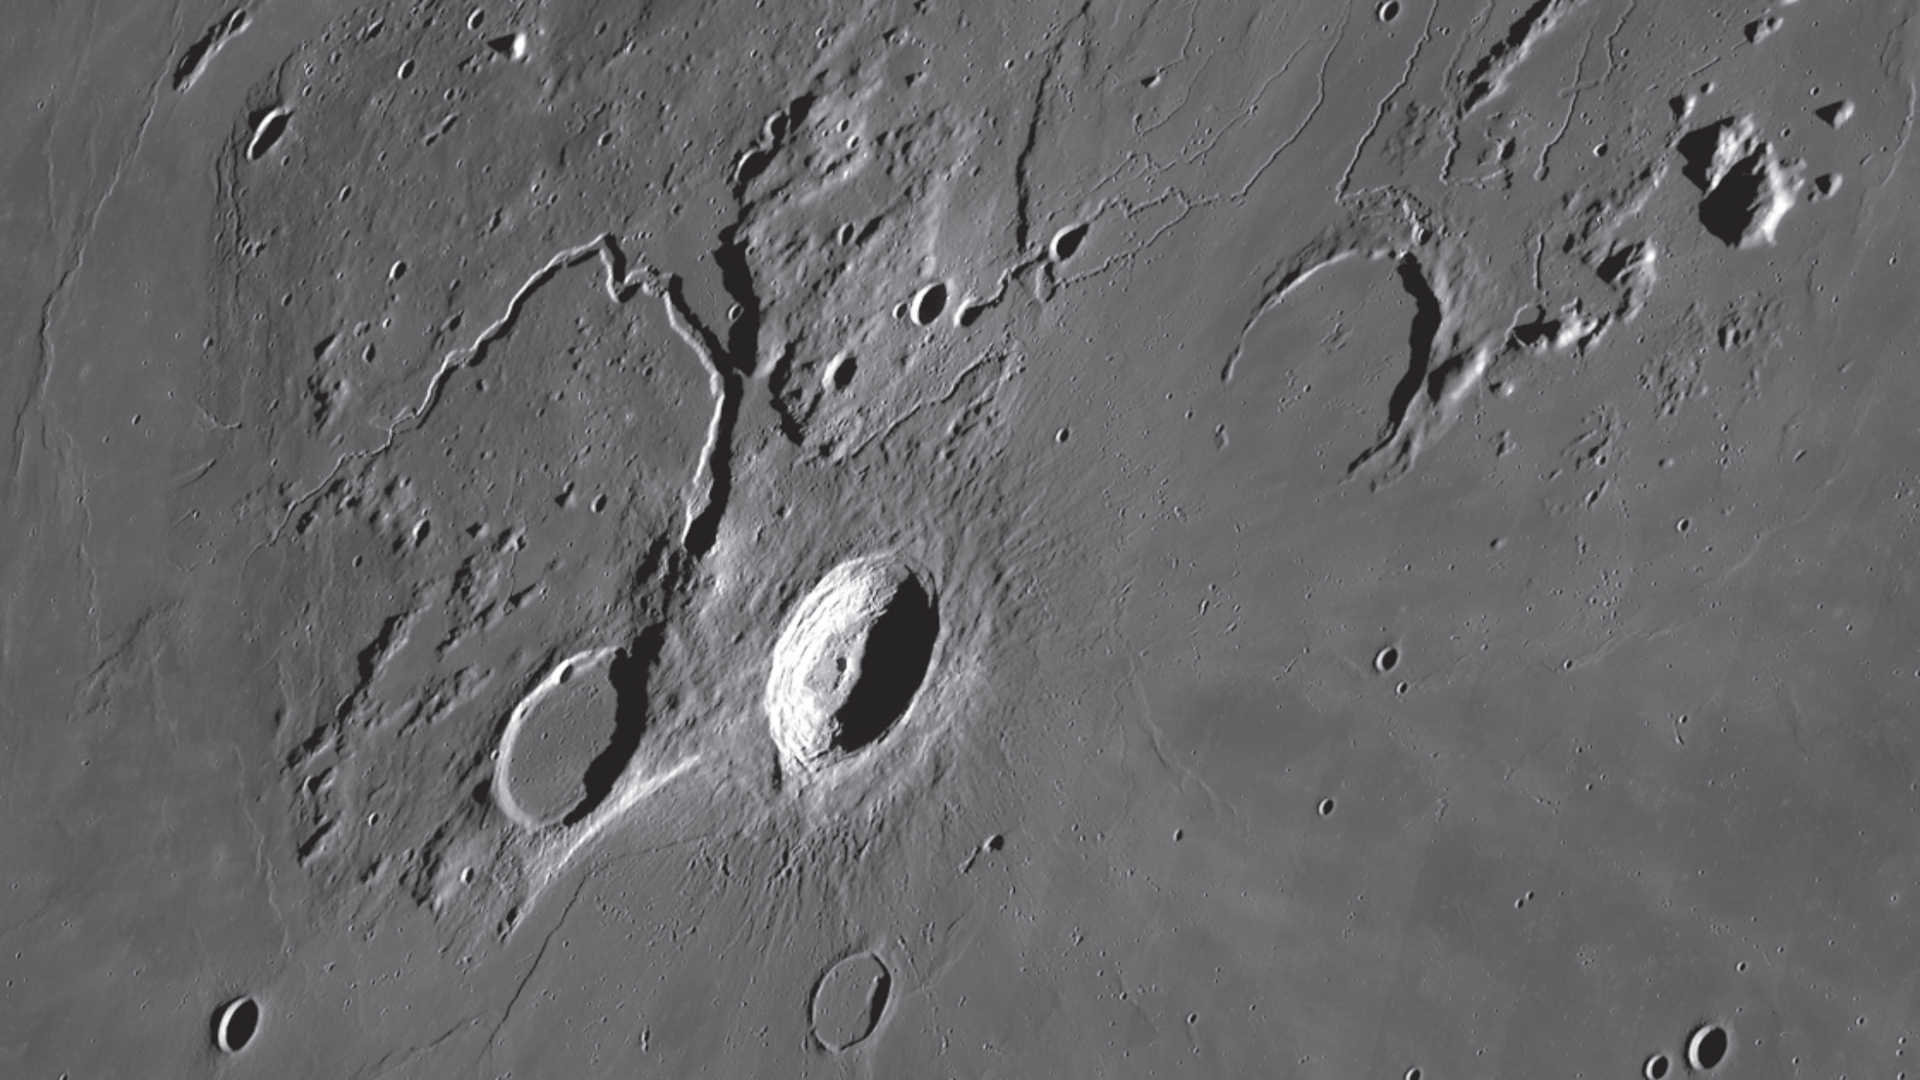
(887, 538)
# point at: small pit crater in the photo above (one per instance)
(928, 303)
(1760, 30)
(849, 1001)
(1067, 242)
(840, 372)
(269, 125)
(1656, 1068)
(1386, 659)
(235, 1024)
(1388, 11)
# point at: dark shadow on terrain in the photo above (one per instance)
(1697, 148)
(628, 672)
(1733, 205)
(899, 647)
(268, 126)
(701, 530)
(705, 527)
(1618, 261)
(877, 995)
(743, 334)
(1426, 326)
(1480, 81)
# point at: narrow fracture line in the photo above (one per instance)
(713, 464)
(715, 461)
(621, 283)
(1380, 114)
(1319, 99)
(952, 391)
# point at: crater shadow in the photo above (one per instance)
(899, 647)
(629, 672)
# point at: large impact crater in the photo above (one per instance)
(849, 660)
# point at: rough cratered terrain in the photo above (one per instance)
(1340, 539)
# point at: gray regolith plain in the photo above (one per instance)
(979, 540)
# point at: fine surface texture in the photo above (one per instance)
(919, 538)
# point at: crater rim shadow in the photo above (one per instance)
(897, 658)
(629, 672)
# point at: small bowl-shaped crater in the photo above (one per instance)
(1067, 242)
(1707, 1047)
(235, 1024)
(849, 661)
(840, 372)
(1386, 659)
(928, 303)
